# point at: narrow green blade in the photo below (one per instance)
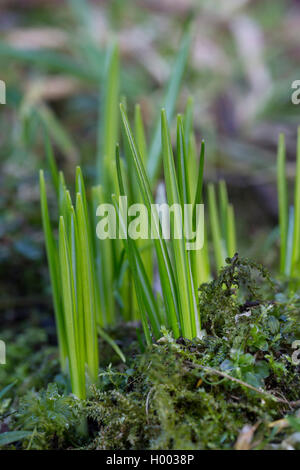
(138, 285)
(88, 288)
(296, 237)
(169, 104)
(67, 285)
(223, 198)
(182, 164)
(184, 283)
(140, 134)
(289, 247)
(53, 263)
(75, 261)
(231, 237)
(106, 337)
(142, 282)
(51, 162)
(147, 255)
(215, 228)
(104, 266)
(58, 132)
(199, 187)
(165, 269)
(108, 126)
(282, 201)
(188, 120)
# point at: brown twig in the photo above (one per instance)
(212, 371)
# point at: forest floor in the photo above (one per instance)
(235, 388)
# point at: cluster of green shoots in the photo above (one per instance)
(96, 283)
(289, 216)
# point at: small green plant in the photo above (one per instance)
(111, 272)
(91, 277)
(289, 217)
(97, 282)
(49, 419)
(176, 278)
(222, 223)
(73, 283)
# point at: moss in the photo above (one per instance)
(168, 401)
(54, 419)
(31, 362)
(169, 397)
(169, 404)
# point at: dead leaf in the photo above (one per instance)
(245, 437)
(51, 88)
(37, 38)
(199, 383)
(280, 424)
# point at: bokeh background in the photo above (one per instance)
(244, 57)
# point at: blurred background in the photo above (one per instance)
(245, 54)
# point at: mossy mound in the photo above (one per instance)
(235, 387)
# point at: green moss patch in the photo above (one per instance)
(235, 387)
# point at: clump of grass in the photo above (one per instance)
(79, 308)
(73, 283)
(176, 280)
(181, 270)
(92, 279)
(96, 282)
(289, 216)
(115, 277)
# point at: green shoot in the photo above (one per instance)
(170, 101)
(183, 276)
(51, 163)
(223, 232)
(96, 281)
(164, 263)
(289, 219)
(54, 271)
(108, 126)
(76, 363)
(231, 233)
(296, 237)
(215, 228)
(282, 202)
